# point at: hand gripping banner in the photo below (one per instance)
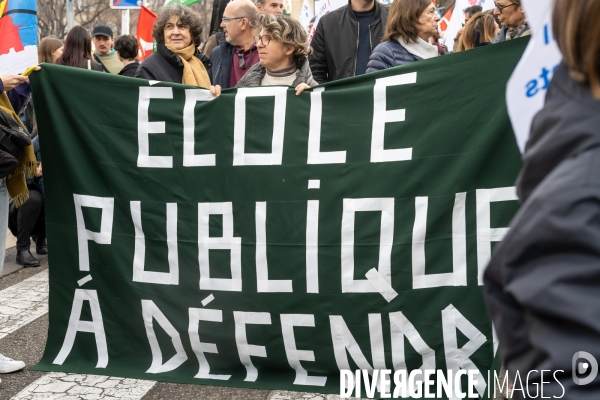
(268, 240)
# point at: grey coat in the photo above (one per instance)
(256, 73)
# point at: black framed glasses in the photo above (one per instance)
(264, 39)
(224, 19)
(501, 8)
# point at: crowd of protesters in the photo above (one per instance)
(253, 44)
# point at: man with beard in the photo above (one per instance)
(237, 52)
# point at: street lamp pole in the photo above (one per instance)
(70, 15)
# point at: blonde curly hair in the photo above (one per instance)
(289, 32)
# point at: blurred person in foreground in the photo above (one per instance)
(512, 17)
(126, 47)
(50, 49)
(479, 31)
(410, 25)
(78, 50)
(283, 50)
(542, 285)
(177, 31)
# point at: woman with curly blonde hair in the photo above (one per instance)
(485, 24)
(283, 52)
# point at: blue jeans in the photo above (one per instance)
(3, 220)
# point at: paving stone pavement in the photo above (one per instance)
(24, 302)
(63, 386)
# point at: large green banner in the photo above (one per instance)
(268, 240)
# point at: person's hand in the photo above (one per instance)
(215, 90)
(38, 171)
(11, 81)
(459, 33)
(301, 88)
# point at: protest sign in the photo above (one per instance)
(18, 35)
(268, 240)
(306, 14)
(526, 90)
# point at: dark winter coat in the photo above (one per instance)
(542, 285)
(166, 66)
(335, 42)
(257, 72)
(220, 58)
(130, 69)
(389, 54)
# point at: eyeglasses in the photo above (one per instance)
(264, 39)
(501, 8)
(224, 20)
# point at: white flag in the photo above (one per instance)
(526, 90)
(306, 14)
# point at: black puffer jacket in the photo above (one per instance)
(166, 66)
(542, 285)
(335, 42)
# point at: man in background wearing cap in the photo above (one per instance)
(105, 54)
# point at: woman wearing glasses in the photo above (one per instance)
(512, 18)
(177, 59)
(283, 52)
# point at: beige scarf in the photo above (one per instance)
(194, 72)
(15, 181)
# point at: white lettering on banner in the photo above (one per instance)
(107, 205)
(240, 157)
(315, 155)
(485, 234)
(141, 275)
(197, 315)
(294, 356)
(401, 328)
(344, 341)
(263, 283)
(95, 326)
(459, 246)
(226, 242)
(145, 128)
(151, 312)
(246, 350)
(382, 116)
(386, 241)
(312, 246)
(457, 359)
(192, 96)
